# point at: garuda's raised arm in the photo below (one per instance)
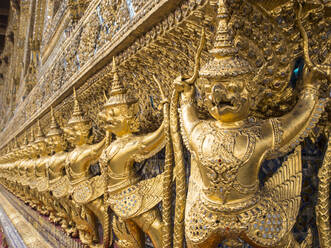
(152, 143)
(288, 130)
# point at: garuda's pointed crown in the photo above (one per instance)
(40, 134)
(118, 92)
(77, 115)
(32, 138)
(25, 140)
(226, 62)
(55, 129)
(15, 145)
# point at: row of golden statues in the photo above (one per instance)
(224, 200)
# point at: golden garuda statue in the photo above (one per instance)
(225, 200)
(56, 173)
(24, 169)
(30, 167)
(41, 180)
(85, 189)
(132, 200)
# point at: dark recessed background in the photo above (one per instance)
(4, 12)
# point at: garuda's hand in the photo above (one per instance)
(182, 86)
(311, 77)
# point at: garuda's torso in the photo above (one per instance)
(58, 182)
(41, 182)
(224, 196)
(228, 159)
(77, 164)
(127, 195)
(22, 168)
(118, 159)
(15, 170)
(79, 181)
(40, 166)
(21, 171)
(56, 165)
(30, 168)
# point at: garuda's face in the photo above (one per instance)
(114, 117)
(16, 152)
(26, 151)
(56, 143)
(31, 150)
(50, 143)
(228, 101)
(78, 133)
(40, 147)
(117, 119)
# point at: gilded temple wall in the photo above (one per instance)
(70, 52)
(57, 47)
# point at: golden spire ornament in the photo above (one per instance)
(39, 135)
(25, 140)
(16, 146)
(77, 115)
(118, 92)
(32, 138)
(55, 129)
(226, 62)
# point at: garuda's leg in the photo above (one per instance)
(129, 235)
(150, 222)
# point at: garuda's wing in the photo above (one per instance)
(276, 213)
(323, 209)
(284, 187)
